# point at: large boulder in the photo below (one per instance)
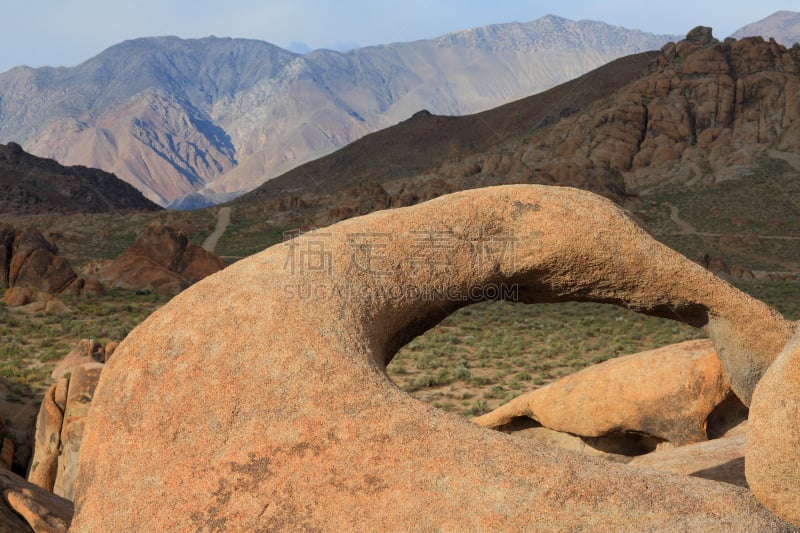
(258, 398)
(29, 260)
(35, 262)
(161, 261)
(772, 460)
(667, 393)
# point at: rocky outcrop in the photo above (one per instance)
(27, 259)
(35, 262)
(87, 351)
(703, 111)
(32, 301)
(668, 394)
(282, 355)
(26, 507)
(718, 266)
(162, 261)
(60, 423)
(772, 461)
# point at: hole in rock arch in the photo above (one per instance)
(726, 416)
(484, 355)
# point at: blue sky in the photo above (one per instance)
(67, 32)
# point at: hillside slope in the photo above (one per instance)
(32, 185)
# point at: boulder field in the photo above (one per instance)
(258, 399)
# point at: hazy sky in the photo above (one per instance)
(67, 32)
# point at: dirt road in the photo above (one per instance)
(223, 219)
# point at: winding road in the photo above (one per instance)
(223, 219)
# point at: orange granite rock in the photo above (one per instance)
(666, 393)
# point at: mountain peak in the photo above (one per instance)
(552, 32)
(783, 26)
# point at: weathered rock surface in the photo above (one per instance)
(667, 393)
(26, 507)
(60, 424)
(87, 351)
(162, 261)
(772, 461)
(258, 399)
(27, 259)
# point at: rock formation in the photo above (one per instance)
(27, 259)
(773, 441)
(162, 261)
(32, 301)
(60, 423)
(667, 393)
(26, 507)
(258, 399)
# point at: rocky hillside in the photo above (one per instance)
(33, 185)
(704, 136)
(441, 153)
(219, 116)
(783, 26)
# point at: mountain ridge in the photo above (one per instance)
(783, 26)
(217, 116)
(33, 185)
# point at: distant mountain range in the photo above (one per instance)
(33, 185)
(190, 122)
